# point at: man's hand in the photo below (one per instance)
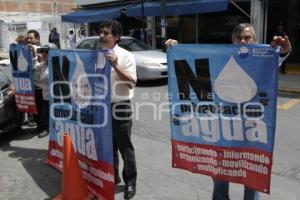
(113, 58)
(32, 49)
(125, 76)
(11, 90)
(283, 42)
(171, 42)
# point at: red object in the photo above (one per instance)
(74, 187)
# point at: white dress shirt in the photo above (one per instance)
(120, 91)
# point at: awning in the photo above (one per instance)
(92, 15)
(179, 7)
(173, 8)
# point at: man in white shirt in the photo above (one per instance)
(123, 80)
(71, 39)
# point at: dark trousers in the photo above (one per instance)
(282, 68)
(42, 117)
(122, 141)
(221, 191)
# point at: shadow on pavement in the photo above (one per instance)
(34, 162)
(17, 134)
(119, 189)
(152, 83)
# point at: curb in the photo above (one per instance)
(292, 69)
(289, 90)
(293, 72)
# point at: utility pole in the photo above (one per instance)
(163, 23)
(54, 13)
(143, 22)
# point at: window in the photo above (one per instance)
(133, 45)
(89, 44)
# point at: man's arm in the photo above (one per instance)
(124, 75)
(285, 47)
(283, 43)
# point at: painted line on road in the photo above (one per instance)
(289, 104)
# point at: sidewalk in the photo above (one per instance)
(3, 54)
(290, 82)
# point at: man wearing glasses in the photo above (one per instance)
(123, 80)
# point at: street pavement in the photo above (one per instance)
(290, 82)
(25, 176)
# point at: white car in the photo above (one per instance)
(5, 67)
(151, 64)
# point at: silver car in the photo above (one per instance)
(151, 64)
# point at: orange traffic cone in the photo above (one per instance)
(73, 184)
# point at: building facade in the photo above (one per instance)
(17, 17)
(217, 27)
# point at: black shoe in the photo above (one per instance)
(25, 122)
(129, 191)
(43, 133)
(31, 124)
(117, 180)
(36, 130)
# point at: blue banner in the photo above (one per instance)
(223, 111)
(80, 105)
(22, 73)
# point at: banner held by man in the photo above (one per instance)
(223, 111)
(80, 106)
(22, 70)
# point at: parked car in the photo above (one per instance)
(5, 67)
(151, 64)
(10, 117)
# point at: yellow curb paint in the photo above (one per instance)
(289, 104)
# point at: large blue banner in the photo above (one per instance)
(22, 73)
(80, 105)
(223, 111)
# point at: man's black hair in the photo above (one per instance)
(36, 34)
(115, 27)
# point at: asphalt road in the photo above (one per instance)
(25, 176)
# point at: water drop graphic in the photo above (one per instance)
(82, 90)
(22, 62)
(233, 84)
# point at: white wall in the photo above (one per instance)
(42, 22)
(257, 18)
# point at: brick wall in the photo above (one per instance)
(44, 6)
